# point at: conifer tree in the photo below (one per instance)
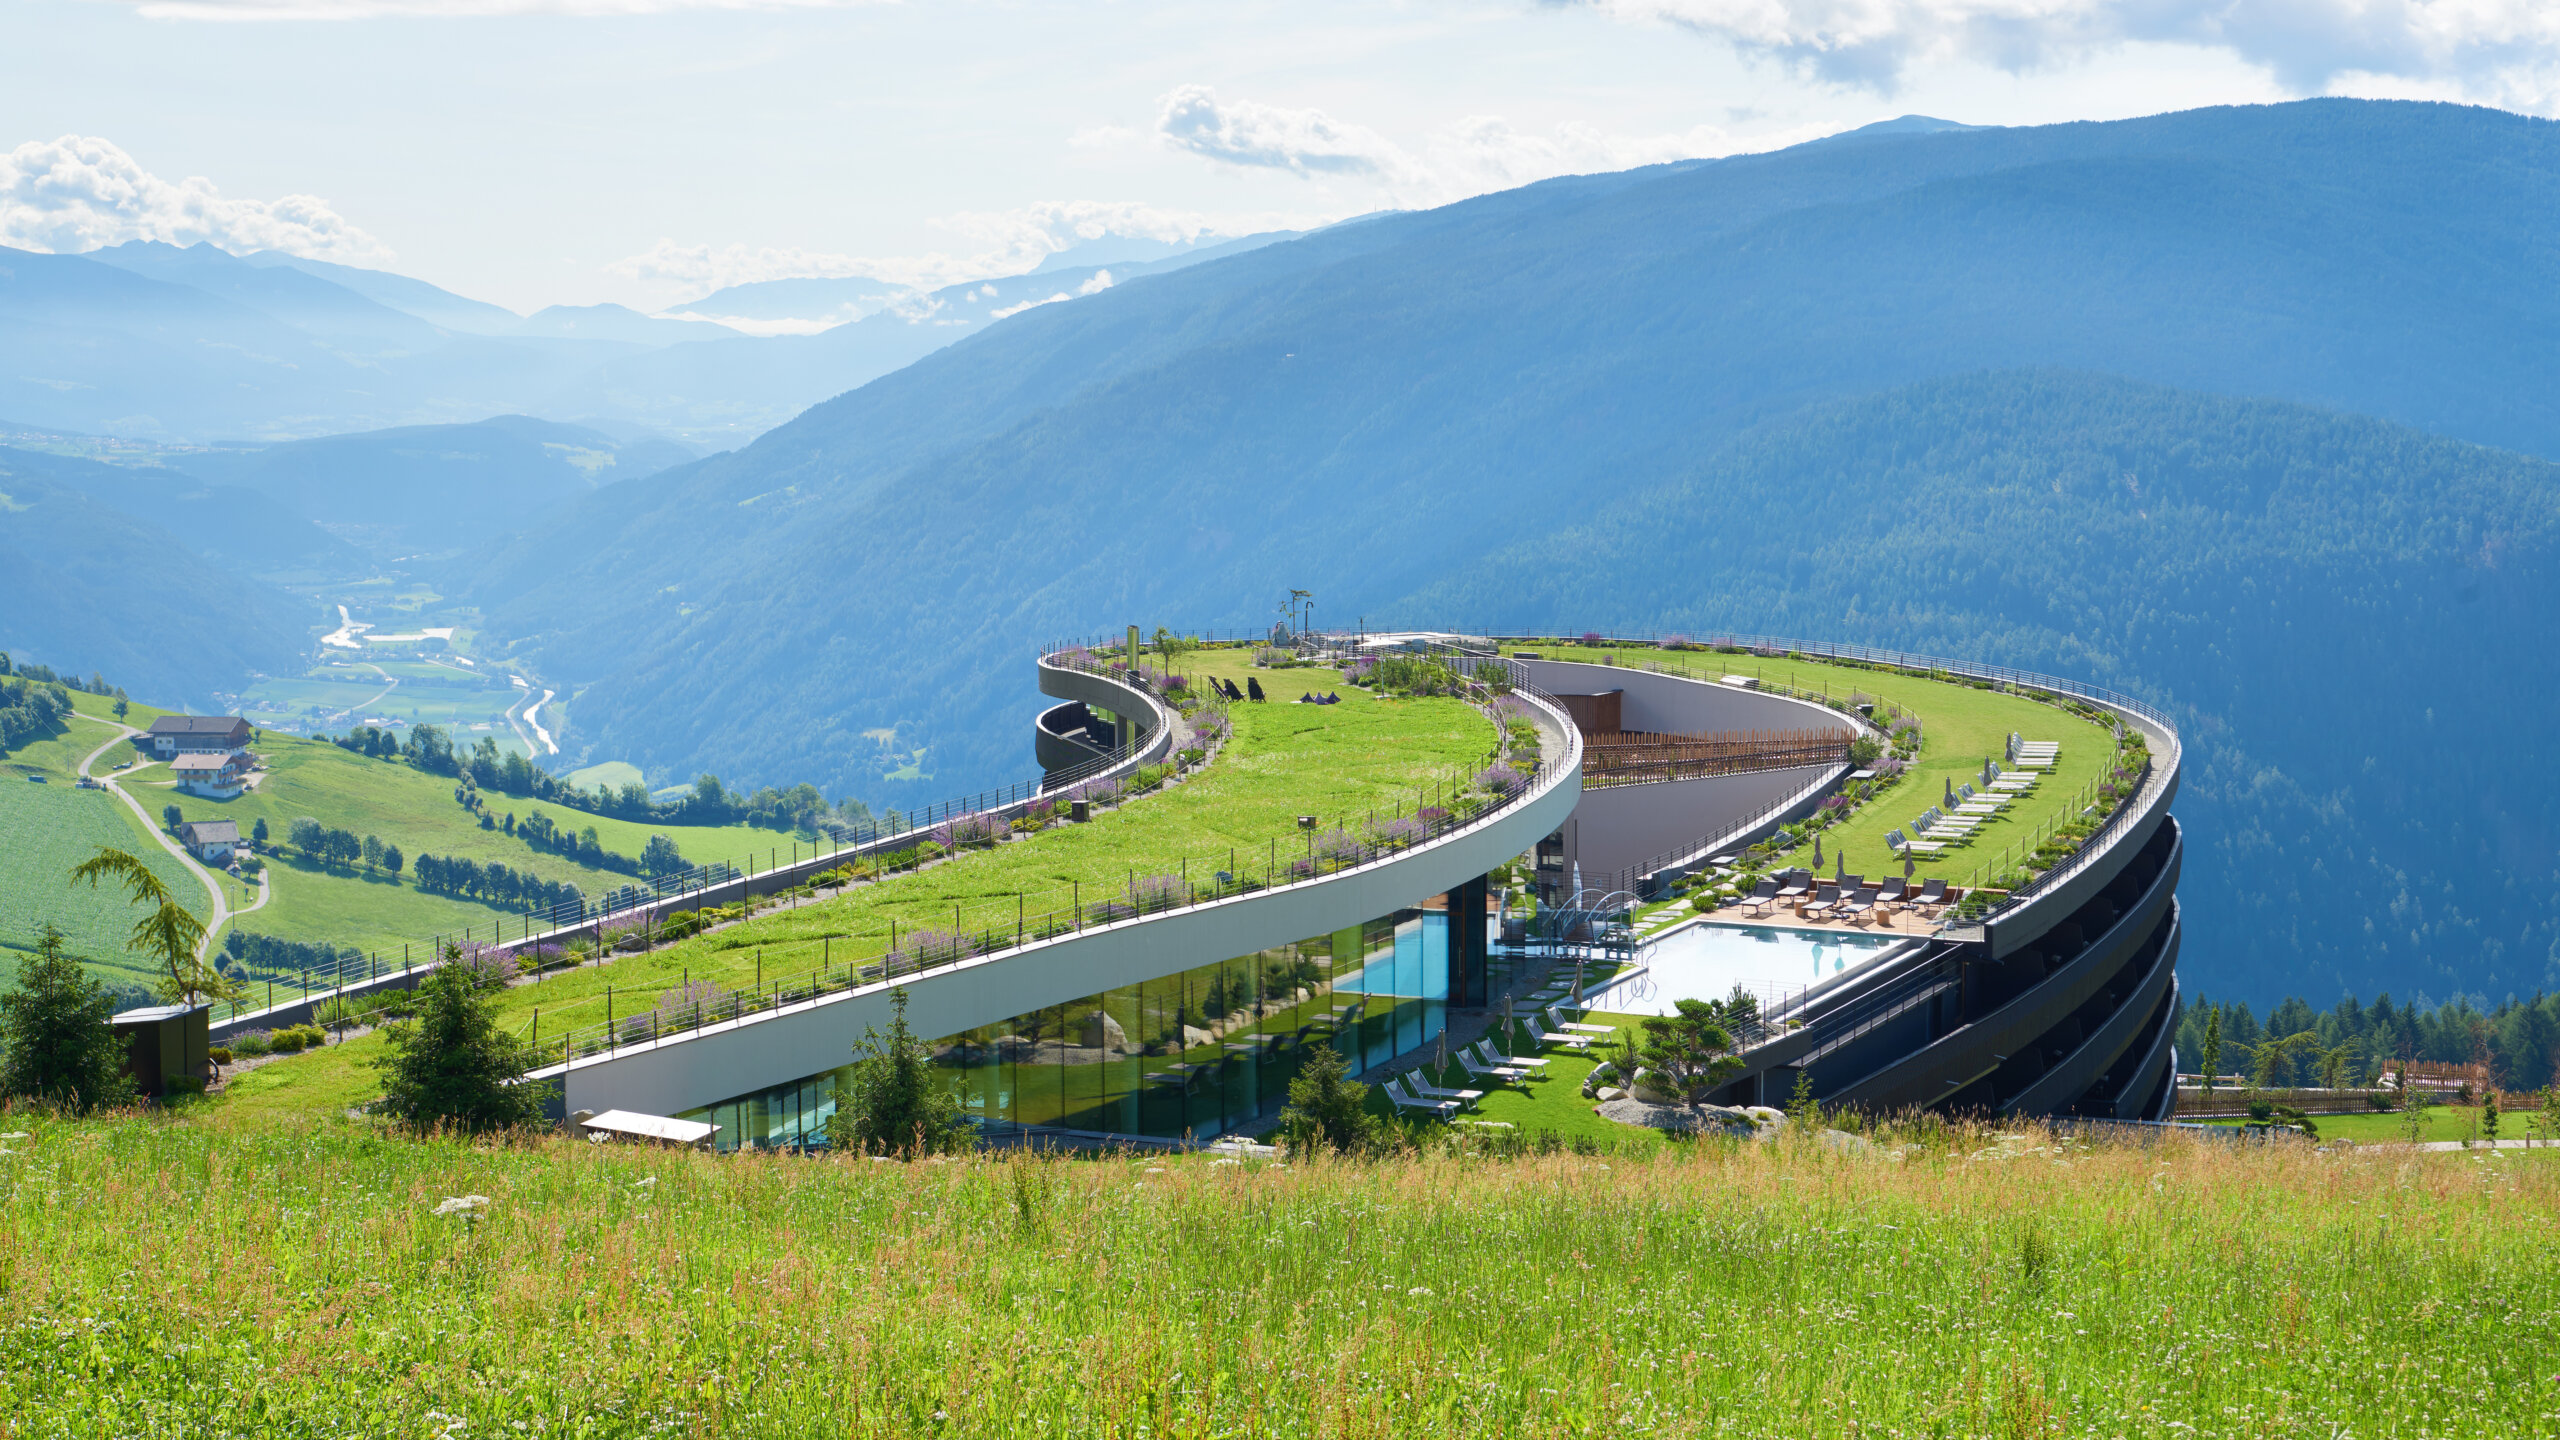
(451, 1066)
(1328, 1110)
(891, 1105)
(57, 1041)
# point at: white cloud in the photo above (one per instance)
(449, 9)
(1252, 134)
(1469, 156)
(79, 193)
(1011, 310)
(2502, 51)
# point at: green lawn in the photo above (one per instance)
(1337, 761)
(1960, 728)
(1551, 1105)
(189, 1276)
(2442, 1122)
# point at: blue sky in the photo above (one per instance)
(533, 152)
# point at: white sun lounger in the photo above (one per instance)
(1443, 1109)
(1535, 1064)
(1551, 1037)
(1426, 1089)
(1467, 1057)
(1555, 1013)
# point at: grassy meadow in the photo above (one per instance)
(1960, 728)
(197, 1277)
(416, 811)
(47, 829)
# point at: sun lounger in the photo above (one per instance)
(1496, 1073)
(1896, 839)
(1860, 903)
(1534, 1064)
(1762, 896)
(1429, 1091)
(1442, 1109)
(1821, 903)
(1555, 1017)
(1546, 1037)
(1932, 897)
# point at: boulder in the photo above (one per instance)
(1710, 1119)
(1101, 1032)
(1845, 1143)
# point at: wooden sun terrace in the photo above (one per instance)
(1630, 757)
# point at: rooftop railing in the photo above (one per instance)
(642, 900)
(794, 973)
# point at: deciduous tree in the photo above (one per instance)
(166, 932)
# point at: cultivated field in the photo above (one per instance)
(200, 1277)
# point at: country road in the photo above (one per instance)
(222, 911)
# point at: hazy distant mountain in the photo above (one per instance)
(744, 387)
(619, 323)
(436, 488)
(1368, 409)
(87, 584)
(337, 317)
(441, 308)
(235, 527)
(807, 305)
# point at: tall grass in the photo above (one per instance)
(188, 1278)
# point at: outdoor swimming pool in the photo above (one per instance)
(1705, 962)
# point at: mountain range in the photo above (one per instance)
(2248, 410)
(157, 341)
(1371, 410)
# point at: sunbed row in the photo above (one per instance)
(1416, 1092)
(1846, 897)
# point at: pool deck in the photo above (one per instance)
(1895, 920)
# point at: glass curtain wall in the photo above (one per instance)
(1193, 1054)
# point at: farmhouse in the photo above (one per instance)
(211, 840)
(194, 735)
(215, 775)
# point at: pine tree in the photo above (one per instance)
(2212, 1057)
(1686, 1052)
(1804, 1112)
(2489, 1115)
(57, 1041)
(892, 1105)
(1329, 1111)
(451, 1066)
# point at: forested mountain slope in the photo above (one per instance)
(81, 579)
(2344, 614)
(1358, 409)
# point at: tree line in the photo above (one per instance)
(2353, 1044)
(494, 882)
(431, 749)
